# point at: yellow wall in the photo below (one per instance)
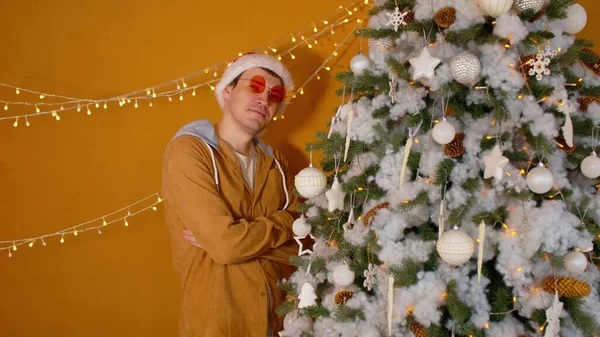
(56, 174)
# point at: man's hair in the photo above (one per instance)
(237, 79)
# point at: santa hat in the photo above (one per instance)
(252, 60)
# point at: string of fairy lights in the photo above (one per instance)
(151, 202)
(55, 105)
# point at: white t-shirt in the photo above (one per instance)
(248, 166)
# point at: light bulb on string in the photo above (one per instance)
(215, 74)
(26, 121)
(181, 96)
(153, 94)
(159, 199)
(126, 223)
(135, 105)
(62, 239)
(150, 103)
(16, 123)
(97, 105)
(5, 107)
(105, 105)
(99, 231)
(293, 38)
(14, 246)
(57, 117)
(31, 243)
(292, 56)
(148, 92)
(75, 232)
(37, 109)
(43, 242)
(104, 223)
(42, 96)
(17, 91)
(184, 84)
(170, 99)
(9, 253)
(89, 112)
(315, 28)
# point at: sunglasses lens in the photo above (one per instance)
(277, 94)
(257, 84)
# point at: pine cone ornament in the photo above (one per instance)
(455, 148)
(593, 66)
(566, 286)
(343, 296)
(410, 17)
(585, 101)
(417, 329)
(526, 61)
(445, 17)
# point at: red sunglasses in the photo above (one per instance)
(258, 84)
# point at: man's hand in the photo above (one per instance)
(191, 239)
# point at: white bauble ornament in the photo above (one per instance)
(382, 45)
(296, 322)
(590, 166)
(465, 68)
(575, 20)
(540, 180)
(455, 247)
(585, 245)
(301, 227)
(523, 5)
(359, 63)
(495, 8)
(343, 276)
(443, 132)
(575, 262)
(310, 182)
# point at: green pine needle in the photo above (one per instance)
(316, 311)
(420, 200)
(285, 308)
(405, 275)
(459, 311)
(557, 9)
(442, 172)
(583, 320)
(344, 314)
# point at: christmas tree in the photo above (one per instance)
(458, 191)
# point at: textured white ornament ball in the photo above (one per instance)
(495, 8)
(575, 20)
(384, 44)
(575, 262)
(443, 132)
(455, 247)
(343, 276)
(540, 180)
(465, 68)
(523, 5)
(310, 182)
(359, 63)
(590, 166)
(296, 322)
(301, 227)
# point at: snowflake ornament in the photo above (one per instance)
(397, 19)
(370, 279)
(540, 66)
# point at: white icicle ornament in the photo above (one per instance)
(495, 8)
(590, 166)
(343, 276)
(540, 180)
(455, 247)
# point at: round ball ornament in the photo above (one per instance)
(540, 180)
(359, 63)
(296, 322)
(590, 166)
(575, 20)
(575, 262)
(383, 45)
(310, 182)
(443, 132)
(455, 247)
(301, 227)
(343, 276)
(523, 5)
(495, 8)
(465, 68)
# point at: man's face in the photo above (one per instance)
(251, 110)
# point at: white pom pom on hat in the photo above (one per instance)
(253, 60)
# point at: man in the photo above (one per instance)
(229, 207)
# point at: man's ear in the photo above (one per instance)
(227, 92)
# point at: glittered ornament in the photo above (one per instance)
(343, 296)
(590, 166)
(359, 63)
(585, 101)
(495, 8)
(301, 227)
(455, 148)
(540, 180)
(418, 329)
(373, 211)
(465, 68)
(443, 132)
(445, 17)
(343, 276)
(310, 182)
(523, 5)
(575, 21)
(575, 262)
(588, 54)
(566, 286)
(455, 247)
(384, 45)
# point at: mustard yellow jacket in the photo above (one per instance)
(228, 285)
